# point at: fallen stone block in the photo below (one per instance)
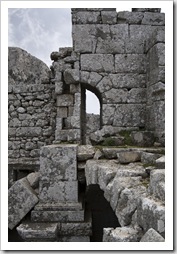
(152, 236)
(151, 214)
(160, 163)
(33, 179)
(157, 183)
(121, 234)
(127, 204)
(149, 158)
(85, 152)
(21, 199)
(127, 157)
(38, 232)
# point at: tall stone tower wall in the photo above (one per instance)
(120, 58)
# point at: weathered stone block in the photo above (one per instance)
(58, 162)
(76, 229)
(75, 122)
(58, 191)
(71, 76)
(62, 112)
(146, 10)
(57, 216)
(142, 32)
(85, 152)
(115, 96)
(38, 231)
(110, 46)
(127, 204)
(143, 138)
(58, 87)
(127, 157)
(130, 17)
(154, 19)
(64, 100)
(157, 36)
(149, 158)
(129, 115)
(122, 234)
(128, 80)
(134, 46)
(85, 17)
(157, 183)
(97, 62)
(156, 92)
(109, 17)
(154, 211)
(152, 236)
(21, 199)
(160, 163)
(28, 131)
(135, 63)
(91, 78)
(33, 179)
(83, 39)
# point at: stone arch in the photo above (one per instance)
(94, 90)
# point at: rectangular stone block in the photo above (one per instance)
(128, 80)
(134, 63)
(75, 228)
(56, 191)
(154, 19)
(85, 17)
(157, 36)
(28, 131)
(58, 87)
(64, 100)
(129, 115)
(129, 17)
(57, 216)
(62, 112)
(154, 211)
(142, 32)
(59, 206)
(109, 17)
(21, 199)
(97, 62)
(58, 162)
(38, 231)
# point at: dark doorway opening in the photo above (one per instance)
(102, 214)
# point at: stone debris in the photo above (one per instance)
(152, 236)
(160, 163)
(154, 211)
(85, 152)
(127, 157)
(21, 199)
(33, 179)
(123, 234)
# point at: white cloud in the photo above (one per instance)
(40, 31)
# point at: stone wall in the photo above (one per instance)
(32, 109)
(116, 56)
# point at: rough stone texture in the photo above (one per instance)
(151, 214)
(152, 236)
(157, 183)
(142, 138)
(33, 179)
(149, 158)
(21, 199)
(85, 152)
(123, 234)
(32, 108)
(160, 163)
(127, 157)
(58, 173)
(44, 232)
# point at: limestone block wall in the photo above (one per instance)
(32, 109)
(155, 48)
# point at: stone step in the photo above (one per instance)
(38, 232)
(57, 216)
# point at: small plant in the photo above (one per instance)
(109, 142)
(127, 137)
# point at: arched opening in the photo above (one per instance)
(91, 111)
(101, 212)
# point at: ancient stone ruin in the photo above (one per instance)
(66, 167)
